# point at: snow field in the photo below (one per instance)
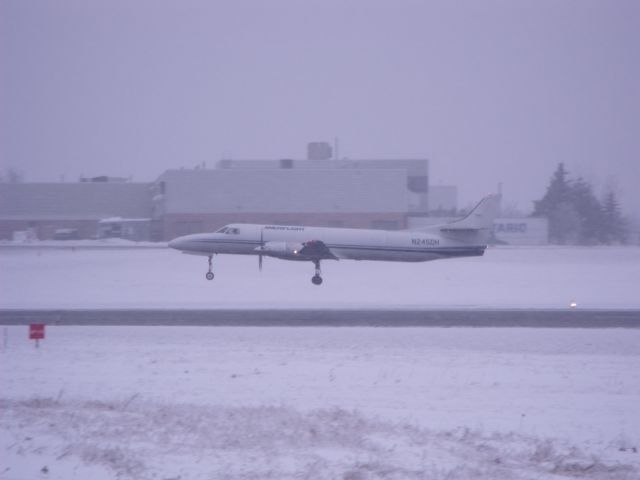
(179, 441)
(353, 403)
(526, 277)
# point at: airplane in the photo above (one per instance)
(466, 237)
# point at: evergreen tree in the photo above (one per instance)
(558, 191)
(589, 211)
(564, 224)
(558, 208)
(576, 215)
(614, 225)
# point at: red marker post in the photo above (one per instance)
(36, 332)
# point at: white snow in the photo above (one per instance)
(351, 403)
(285, 402)
(523, 277)
(100, 243)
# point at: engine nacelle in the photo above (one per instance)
(284, 250)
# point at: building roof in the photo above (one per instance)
(414, 166)
(74, 200)
(284, 190)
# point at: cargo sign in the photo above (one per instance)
(521, 231)
(520, 227)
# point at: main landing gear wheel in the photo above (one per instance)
(317, 279)
(209, 274)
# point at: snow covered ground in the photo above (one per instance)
(536, 277)
(350, 403)
(347, 403)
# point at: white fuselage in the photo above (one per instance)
(344, 243)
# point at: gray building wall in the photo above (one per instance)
(277, 191)
(416, 172)
(190, 201)
(338, 193)
(45, 207)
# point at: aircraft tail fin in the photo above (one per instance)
(481, 217)
(476, 227)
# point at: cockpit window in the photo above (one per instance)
(229, 230)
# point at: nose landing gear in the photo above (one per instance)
(210, 274)
(317, 279)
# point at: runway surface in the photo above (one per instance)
(544, 318)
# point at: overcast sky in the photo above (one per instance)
(489, 91)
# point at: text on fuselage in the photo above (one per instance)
(283, 227)
(425, 241)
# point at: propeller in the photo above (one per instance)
(261, 248)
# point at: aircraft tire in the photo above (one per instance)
(316, 280)
(209, 275)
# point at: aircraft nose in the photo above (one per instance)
(177, 243)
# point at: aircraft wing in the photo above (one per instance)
(317, 250)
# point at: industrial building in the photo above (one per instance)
(69, 210)
(379, 194)
(521, 231)
(189, 201)
(415, 172)
(386, 194)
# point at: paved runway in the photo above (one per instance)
(569, 318)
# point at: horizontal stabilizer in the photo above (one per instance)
(480, 218)
(475, 228)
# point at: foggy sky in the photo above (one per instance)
(489, 91)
